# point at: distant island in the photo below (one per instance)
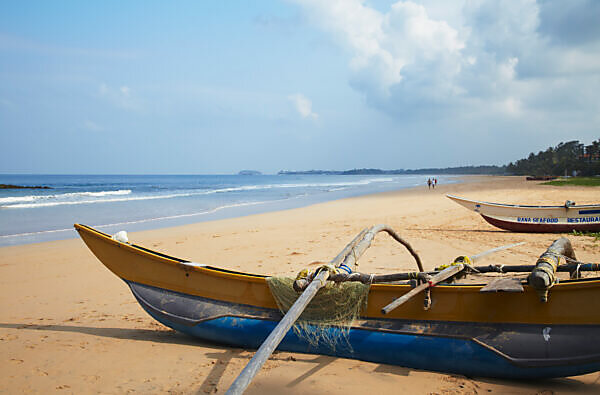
(495, 170)
(249, 173)
(9, 186)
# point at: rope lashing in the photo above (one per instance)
(543, 276)
(463, 259)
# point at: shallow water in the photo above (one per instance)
(138, 202)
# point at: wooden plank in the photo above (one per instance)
(503, 285)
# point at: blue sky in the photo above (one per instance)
(199, 87)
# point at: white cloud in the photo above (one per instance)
(303, 105)
(383, 45)
(6, 103)
(506, 70)
(510, 106)
(121, 97)
(93, 126)
(436, 57)
(103, 89)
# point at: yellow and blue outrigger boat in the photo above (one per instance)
(463, 330)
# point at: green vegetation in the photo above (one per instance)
(595, 235)
(491, 169)
(570, 158)
(583, 181)
(564, 159)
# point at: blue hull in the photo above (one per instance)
(451, 352)
(418, 352)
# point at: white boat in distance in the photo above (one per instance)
(540, 219)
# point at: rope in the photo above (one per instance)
(571, 260)
(463, 259)
(577, 272)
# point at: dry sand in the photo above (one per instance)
(69, 325)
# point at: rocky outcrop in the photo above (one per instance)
(9, 186)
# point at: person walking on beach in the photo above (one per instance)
(429, 183)
(434, 182)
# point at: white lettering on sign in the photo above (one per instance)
(538, 220)
(583, 220)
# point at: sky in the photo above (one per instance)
(189, 87)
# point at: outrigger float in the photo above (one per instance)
(539, 219)
(536, 327)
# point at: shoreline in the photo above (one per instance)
(68, 324)
(220, 212)
(466, 179)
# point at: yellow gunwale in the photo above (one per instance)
(143, 251)
(571, 301)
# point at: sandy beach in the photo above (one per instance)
(68, 325)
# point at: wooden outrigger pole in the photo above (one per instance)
(349, 255)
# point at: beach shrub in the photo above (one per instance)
(595, 235)
(580, 181)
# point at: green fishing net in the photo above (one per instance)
(335, 306)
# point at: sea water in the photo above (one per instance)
(138, 202)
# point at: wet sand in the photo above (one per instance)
(68, 325)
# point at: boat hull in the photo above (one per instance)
(465, 331)
(500, 350)
(536, 219)
(526, 227)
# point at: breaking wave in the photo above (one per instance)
(167, 217)
(77, 198)
(71, 195)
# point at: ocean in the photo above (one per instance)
(139, 202)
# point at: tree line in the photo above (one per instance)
(570, 158)
(484, 169)
(567, 158)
